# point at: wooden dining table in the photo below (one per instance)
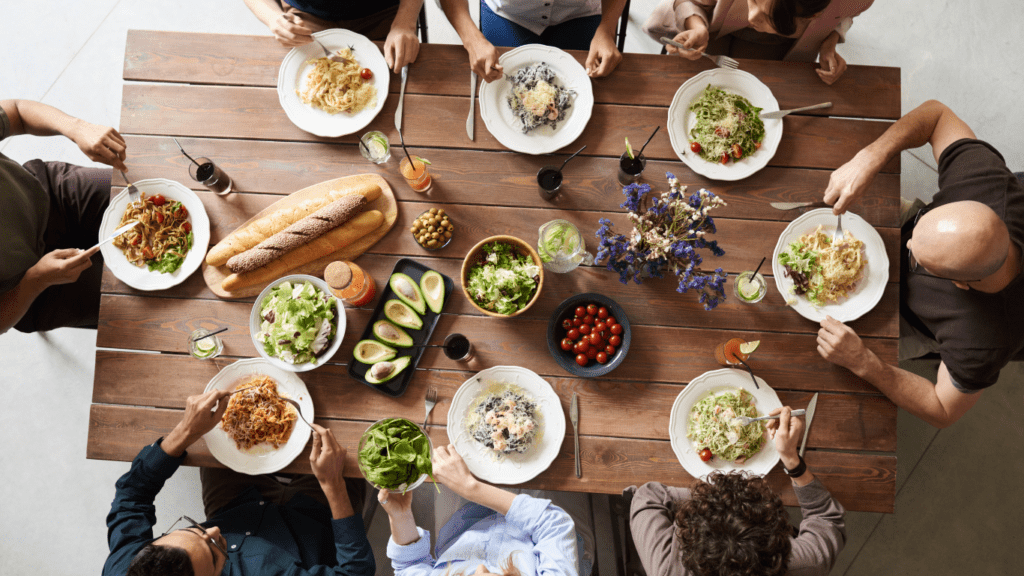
(217, 95)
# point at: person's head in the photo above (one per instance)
(965, 242)
(733, 525)
(187, 551)
(782, 16)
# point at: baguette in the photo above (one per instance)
(262, 228)
(302, 232)
(335, 240)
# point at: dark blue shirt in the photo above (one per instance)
(263, 538)
(341, 9)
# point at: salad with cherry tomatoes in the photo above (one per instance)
(727, 127)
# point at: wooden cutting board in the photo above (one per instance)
(214, 275)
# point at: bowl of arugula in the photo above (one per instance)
(394, 454)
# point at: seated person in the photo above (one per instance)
(495, 532)
(735, 524)
(293, 23)
(255, 524)
(585, 25)
(961, 287)
(800, 30)
(51, 217)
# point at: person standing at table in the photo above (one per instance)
(255, 524)
(50, 218)
(734, 524)
(961, 287)
(490, 532)
(583, 25)
(800, 30)
(293, 23)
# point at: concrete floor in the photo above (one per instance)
(958, 500)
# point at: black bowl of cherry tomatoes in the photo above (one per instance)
(588, 335)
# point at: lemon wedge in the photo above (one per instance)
(748, 348)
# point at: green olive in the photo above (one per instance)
(432, 244)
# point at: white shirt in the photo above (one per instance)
(536, 15)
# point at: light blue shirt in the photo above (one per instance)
(542, 536)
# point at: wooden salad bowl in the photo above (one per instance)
(524, 249)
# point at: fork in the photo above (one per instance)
(297, 409)
(429, 404)
(746, 420)
(330, 55)
(838, 236)
(720, 61)
(133, 191)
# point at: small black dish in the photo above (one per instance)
(567, 360)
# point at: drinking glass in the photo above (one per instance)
(631, 169)
(458, 348)
(549, 178)
(562, 247)
(416, 174)
(206, 348)
(204, 171)
(750, 287)
(374, 146)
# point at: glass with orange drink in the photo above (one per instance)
(735, 350)
(416, 173)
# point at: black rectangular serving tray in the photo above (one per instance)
(396, 386)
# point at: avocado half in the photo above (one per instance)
(400, 313)
(407, 290)
(371, 351)
(432, 287)
(381, 368)
(388, 333)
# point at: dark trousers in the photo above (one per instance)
(221, 485)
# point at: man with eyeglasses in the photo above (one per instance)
(961, 287)
(254, 524)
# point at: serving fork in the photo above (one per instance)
(133, 191)
(746, 420)
(429, 403)
(720, 61)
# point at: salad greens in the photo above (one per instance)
(502, 279)
(394, 453)
(724, 119)
(803, 267)
(298, 322)
(170, 261)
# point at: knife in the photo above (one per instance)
(117, 233)
(792, 205)
(781, 113)
(472, 102)
(401, 98)
(574, 416)
(807, 422)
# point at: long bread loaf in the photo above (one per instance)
(302, 232)
(359, 226)
(259, 230)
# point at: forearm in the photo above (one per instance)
(264, 10)
(403, 528)
(408, 13)
(337, 497)
(830, 42)
(457, 12)
(611, 10)
(37, 119)
(911, 131)
(488, 496)
(791, 461)
(907, 390)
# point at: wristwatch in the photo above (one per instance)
(798, 471)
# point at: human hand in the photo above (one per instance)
(604, 56)
(202, 413)
(451, 470)
(839, 344)
(832, 64)
(695, 39)
(61, 266)
(289, 30)
(100, 143)
(787, 431)
(483, 59)
(401, 47)
(849, 182)
(327, 458)
(395, 503)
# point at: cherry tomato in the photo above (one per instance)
(585, 329)
(591, 309)
(705, 454)
(592, 353)
(601, 357)
(566, 344)
(582, 359)
(737, 152)
(160, 217)
(577, 322)
(366, 73)
(147, 253)
(181, 213)
(599, 326)
(610, 321)
(573, 334)
(589, 320)
(582, 346)
(581, 311)
(609, 350)
(567, 324)
(135, 241)
(187, 227)
(602, 312)
(695, 147)
(757, 145)
(158, 200)
(725, 159)
(615, 329)
(615, 339)
(596, 340)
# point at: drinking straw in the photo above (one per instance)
(571, 157)
(756, 385)
(759, 266)
(648, 141)
(197, 339)
(186, 156)
(405, 149)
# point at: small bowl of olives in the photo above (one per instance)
(433, 229)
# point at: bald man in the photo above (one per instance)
(961, 287)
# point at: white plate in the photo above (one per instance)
(876, 269)
(714, 382)
(504, 126)
(292, 76)
(142, 278)
(681, 119)
(255, 321)
(262, 458)
(514, 468)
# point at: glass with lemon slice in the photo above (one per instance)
(750, 287)
(374, 147)
(204, 348)
(731, 352)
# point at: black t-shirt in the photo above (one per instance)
(334, 10)
(978, 333)
(23, 216)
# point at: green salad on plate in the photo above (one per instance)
(297, 322)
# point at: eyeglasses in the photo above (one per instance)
(209, 539)
(915, 266)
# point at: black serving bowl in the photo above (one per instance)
(567, 360)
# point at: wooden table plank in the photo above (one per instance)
(853, 422)
(645, 79)
(229, 112)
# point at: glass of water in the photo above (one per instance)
(374, 146)
(561, 247)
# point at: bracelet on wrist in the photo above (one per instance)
(798, 470)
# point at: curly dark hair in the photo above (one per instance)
(155, 560)
(785, 13)
(733, 525)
